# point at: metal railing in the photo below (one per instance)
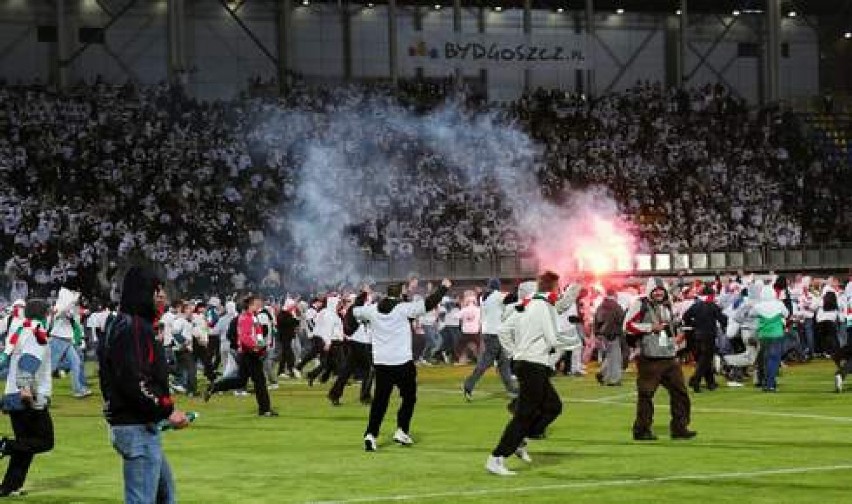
(462, 267)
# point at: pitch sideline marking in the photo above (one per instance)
(591, 484)
(613, 402)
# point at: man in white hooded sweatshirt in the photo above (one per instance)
(530, 336)
(389, 320)
(329, 327)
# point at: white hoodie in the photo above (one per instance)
(491, 312)
(531, 334)
(66, 313)
(329, 327)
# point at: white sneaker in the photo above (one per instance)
(284, 376)
(273, 386)
(402, 438)
(370, 443)
(179, 388)
(523, 454)
(735, 384)
(497, 465)
(838, 383)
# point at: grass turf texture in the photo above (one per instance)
(314, 452)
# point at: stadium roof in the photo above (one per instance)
(802, 7)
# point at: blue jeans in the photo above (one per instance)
(809, 336)
(772, 361)
(61, 350)
(433, 341)
(147, 475)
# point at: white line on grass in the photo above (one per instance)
(613, 402)
(591, 484)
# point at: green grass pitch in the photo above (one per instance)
(790, 447)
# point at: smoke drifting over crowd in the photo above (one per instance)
(357, 162)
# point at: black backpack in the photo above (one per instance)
(232, 333)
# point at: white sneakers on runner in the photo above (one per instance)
(497, 465)
(402, 438)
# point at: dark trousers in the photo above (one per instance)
(826, 336)
(328, 362)
(705, 349)
(186, 370)
(652, 374)
(316, 348)
(538, 405)
(450, 335)
(403, 377)
(843, 360)
(214, 348)
(33, 434)
(288, 358)
(357, 357)
(251, 366)
(205, 356)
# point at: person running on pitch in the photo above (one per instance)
(389, 320)
(529, 334)
(492, 309)
(252, 350)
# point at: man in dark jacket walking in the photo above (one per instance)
(705, 317)
(609, 318)
(135, 387)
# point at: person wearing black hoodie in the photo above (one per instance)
(705, 317)
(393, 360)
(135, 387)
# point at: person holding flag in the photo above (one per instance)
(66, 340)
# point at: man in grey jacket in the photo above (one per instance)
(609, 318)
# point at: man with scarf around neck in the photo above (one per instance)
(648, 324)
(529, 335)
(27, 396)
(705, 317)
(393, 361)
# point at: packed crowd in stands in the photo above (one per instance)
(102, 173)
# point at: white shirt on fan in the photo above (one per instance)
(391, 331)
(492, 311)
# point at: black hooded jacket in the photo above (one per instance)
(133, 370)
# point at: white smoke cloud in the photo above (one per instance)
(350, 157)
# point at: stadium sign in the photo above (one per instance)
(489, 50)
